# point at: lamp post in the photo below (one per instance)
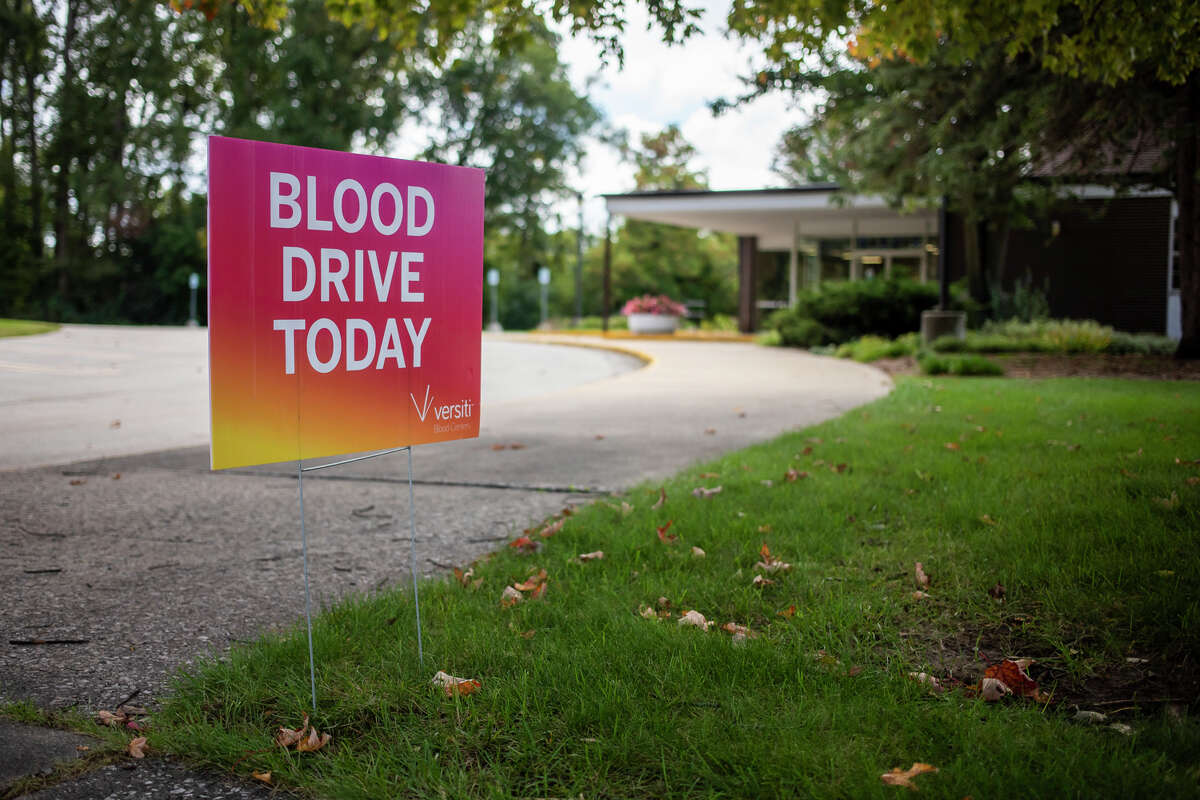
(193, 285)
(493, 280)
(543, 277)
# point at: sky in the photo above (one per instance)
(660, 85)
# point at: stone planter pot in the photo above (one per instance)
(652, 323)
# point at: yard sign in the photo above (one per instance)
(344, 302)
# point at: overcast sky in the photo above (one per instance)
(662, 84)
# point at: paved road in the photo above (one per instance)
(95, 391)
(149, 560)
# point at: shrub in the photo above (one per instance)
(797, 331)
(934, 364)
(886, 307)
(719, 322)
(873, 348)
(1142, 344)
(1026, 302)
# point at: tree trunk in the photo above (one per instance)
(973, 255)
(62, 212)
(36, 234)
(1187, 143)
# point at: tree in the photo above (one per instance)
(1141, 49)
(653, 258)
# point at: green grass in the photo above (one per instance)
(25, 327)
(937, 364)
(1067, 492)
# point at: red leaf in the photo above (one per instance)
(663, 536)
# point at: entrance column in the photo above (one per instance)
(747, 283)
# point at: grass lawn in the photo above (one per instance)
(1079, 497)
(25, 327)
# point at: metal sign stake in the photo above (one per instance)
(412, 542)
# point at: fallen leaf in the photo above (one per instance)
(1090, 717)
(314, 742)
(710, 431)
(662, 499)
(137, 747)
(116, 477)
(595, 555)
(454, 686)
(1192, 481)
(997, 591)
(531, 583)
(792, 475)
(904, 777)
(552, 528)
(110, 719)
(79, 481)
(265, 777)
(928, 680)
(764, 528)
(854, 671)
(919, 573)
(463, 578)
(697, 552)
(695, 618)
(840, 468)
(770, 563)
(952, 446)
(497, 447)
(986, 519)
(710, 474)
(626, 508)
(1012, 674)
(82, 748)
(1168, 503)
(760, 581)
(647, 612)
(788, 612)
(806, 451)
(705, 493)
(524, 544)
(1121, 727)
(529, 634)
(516, 446)
(663, 536)
(286, 737)
(599, 437)
(537, 593)
(116, 423)
(510, 597)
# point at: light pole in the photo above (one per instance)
(579, 265)
(493, 279)
(193, 285)
(544, 285)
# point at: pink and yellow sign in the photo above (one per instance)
(344, 302)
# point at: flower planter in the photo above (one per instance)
(652, 323)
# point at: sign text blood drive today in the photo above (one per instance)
(344, 302)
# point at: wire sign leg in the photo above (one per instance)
(312, 666)
(412, 550)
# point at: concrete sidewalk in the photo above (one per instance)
(146, 562)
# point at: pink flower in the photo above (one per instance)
(654, 304)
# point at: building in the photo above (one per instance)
(1098, 256)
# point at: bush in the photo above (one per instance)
(873, 348)
(886, 307)
(797, 331)
(1141, 344)
(934, 364)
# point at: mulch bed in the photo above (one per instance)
(1093, 365)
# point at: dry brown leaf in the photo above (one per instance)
(110, 719)
(986, 519)
(854, 671)
(464, 578)
(79, 481)
(662, 499)
(595, 555)
(991, 689)
(539, 592)
(792, 475)
(116, 477)
(286, 737)
(697, 552)
(455, 686)
(952, 446)
(764, 528)
(553, 528)
(510, 597)
(314, 742)
(760, 581)
(710, 431)
(599, 437)
(919, 595)
(532, 582)
(770, 563)
(788, 612)
(705, 493)
(919, 574)
(904, 777)
(626, 508)
(710, 474)
(137, 747)
(998, 592)
(695, 618)
(529, 634)
(647, 612)
(928, 680)
(840, 468)
(265, 777)
(1014, 678)
(806, 451)
(663, 536)
(116, 423)
(524, 544)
